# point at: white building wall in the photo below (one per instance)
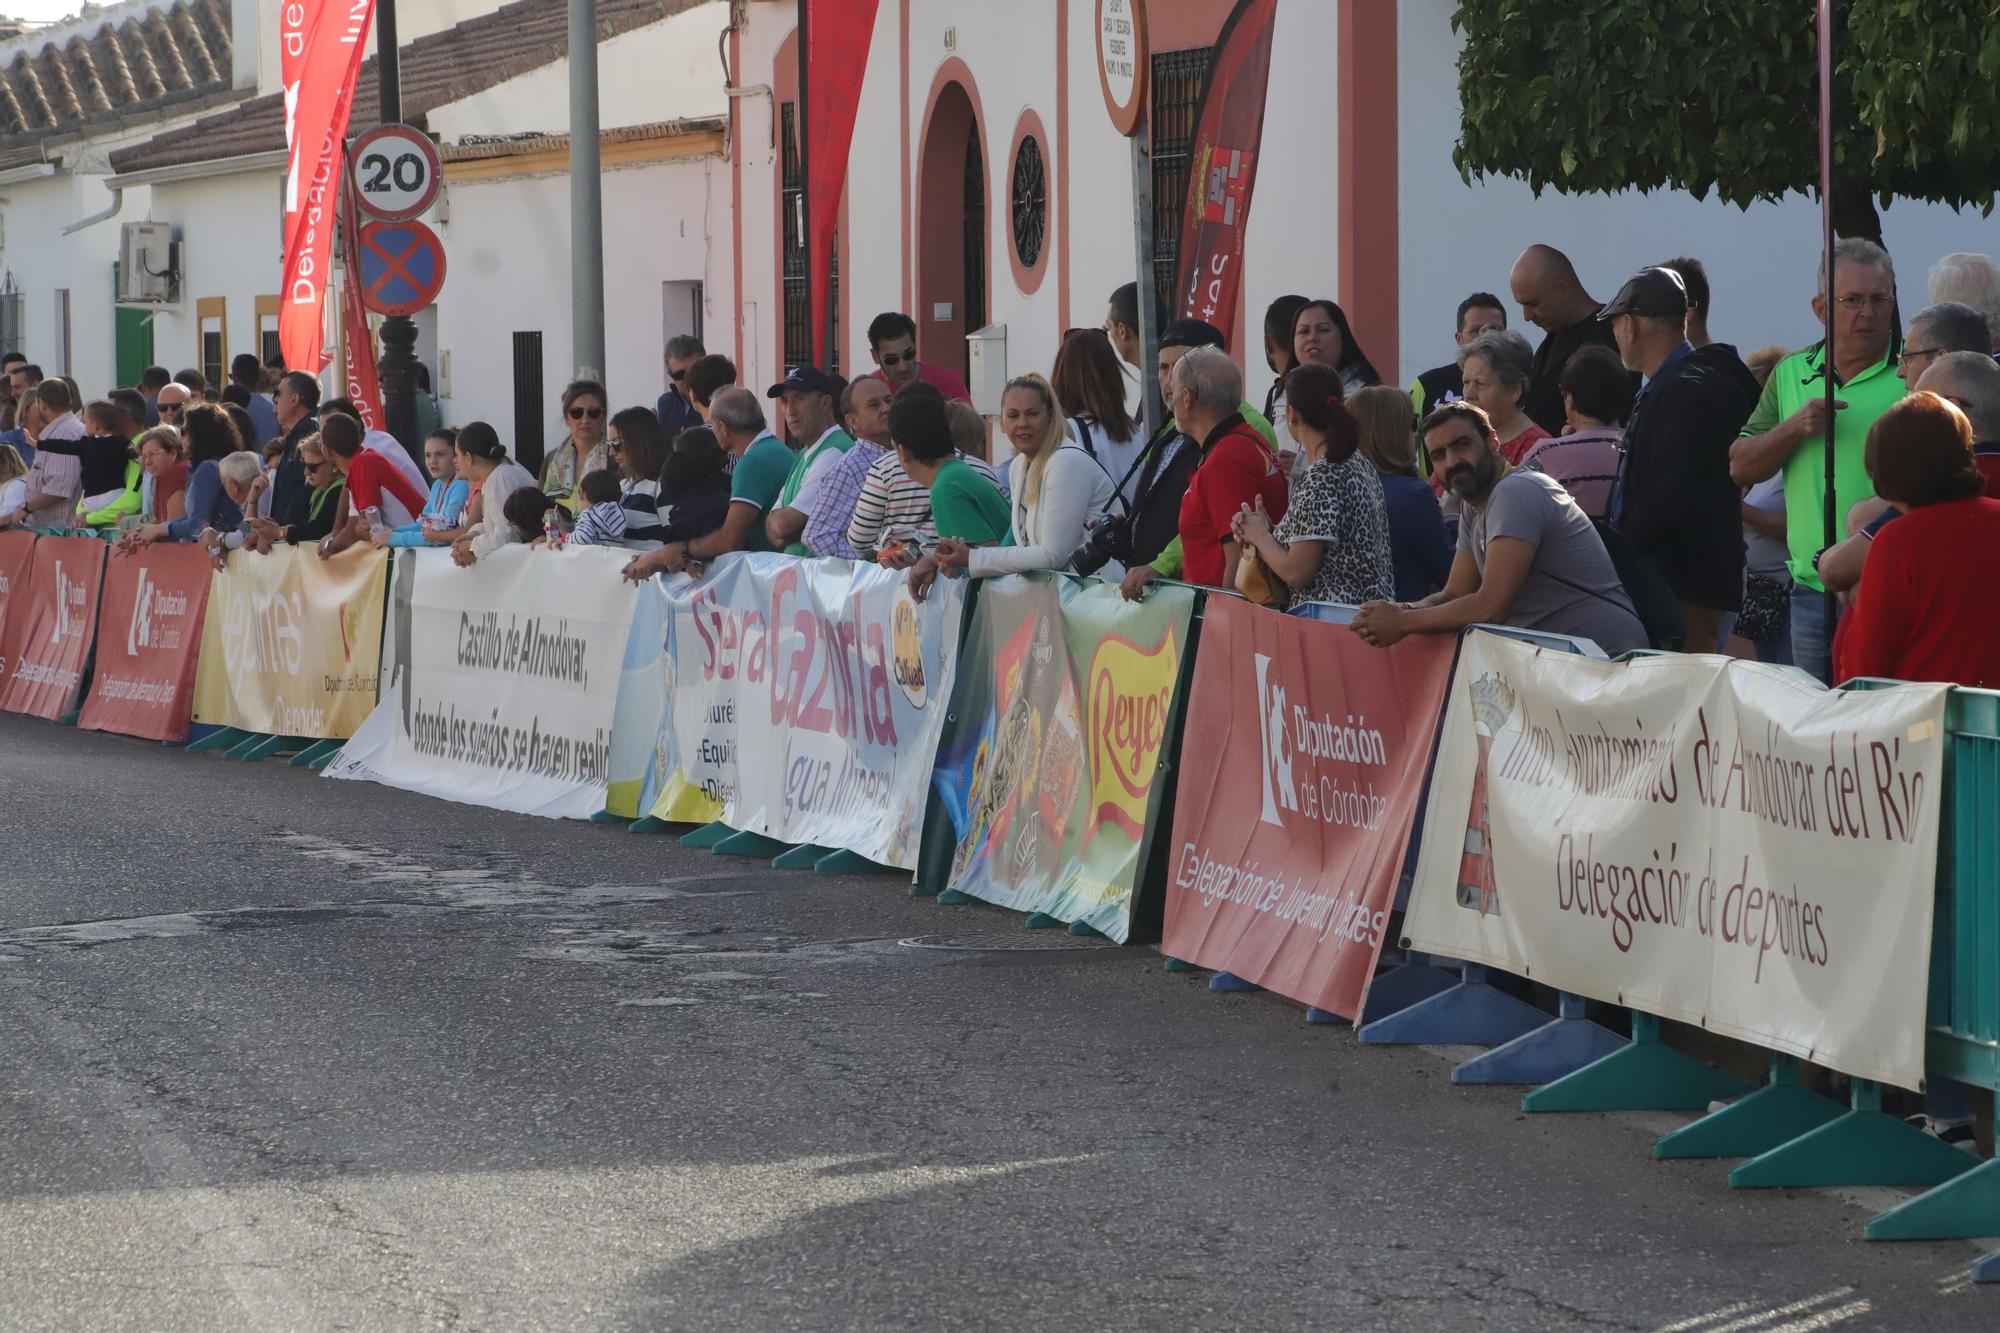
(231, 231)
(1456, 238)
(664, 71)
(1103, 241)
(37, 260)
(507, 265)
(761, 307)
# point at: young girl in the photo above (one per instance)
(526, 512)
(445, 508)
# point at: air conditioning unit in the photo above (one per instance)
(149, 268)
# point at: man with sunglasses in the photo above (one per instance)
(892, 337)
(297, 403)
(675, 410)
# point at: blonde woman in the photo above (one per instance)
(1058, 490)
(13, 481)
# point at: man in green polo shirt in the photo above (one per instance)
(1787, 432)
(807, 396)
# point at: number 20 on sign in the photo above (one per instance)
(396, 172)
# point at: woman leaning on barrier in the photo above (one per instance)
(483, 461)
(1928, 607)
(210, 437)
(1333, 543)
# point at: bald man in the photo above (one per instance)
(1552, 297)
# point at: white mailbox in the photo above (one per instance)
(987, 364)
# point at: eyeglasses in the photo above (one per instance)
(173, 409)
(896, 358)
(677, 375)
(585, 413)
(1915, 352)
(314, 467)
(615, 444)
(1858, 301)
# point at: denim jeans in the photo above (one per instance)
(1812, 633)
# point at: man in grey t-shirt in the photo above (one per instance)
(1527, 555)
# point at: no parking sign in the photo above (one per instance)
(401, 267)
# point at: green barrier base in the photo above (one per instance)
(1862, 1147)
(319, 765)
(1776, 1113)
(648, 824)
(844, 862)
(606, 817)
(1043, 921)
(1181, 965)
(749, 844)
(802, 857)
(223, 738)
(69, 719)
(953, 898)
(1961, 1209)
(707, 835)
(1647, 1075)
(258, 748)
(1084, 930)
(314, 755)
(923, 891)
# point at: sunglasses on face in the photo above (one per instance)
(616, 445)
(585, 413)
(314, 467)
(170, 409)
(677, 375)
(896, 359)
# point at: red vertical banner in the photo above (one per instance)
(363, 388)
(1301, 768)
(1229, 134)
(17, 550)
(320, 48)
(148, 634)
(51, 620)
(837, 35)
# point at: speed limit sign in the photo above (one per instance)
(396, 172)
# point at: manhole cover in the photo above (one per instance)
(1052, 941)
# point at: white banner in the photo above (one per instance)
(804, 702)
(506, 678)
(1717, 842)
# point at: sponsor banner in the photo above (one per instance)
(1717, 842)
(805, 699)
(17, 553)
(1301, 767)
(642, 696)
(320, 45)
(50, 625)
(149, 633)
(1054, 770)
(1229, 134)
(504, 683)
(292, 644)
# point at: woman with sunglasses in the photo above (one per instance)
(639, 450)
(583, 450)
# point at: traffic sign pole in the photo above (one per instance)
(398, 369)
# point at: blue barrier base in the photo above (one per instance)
(1400, 987)
(844, 862)
(1646, 1075)
(606, 817)
(1470, 1013)
(1552, 1051)
(222, 738)
(1229, 981)
(1084, 930)
(749, 844)
(1042, 921)
(1776, 1113)
(1987, 1269)
(953, 898)
(318, 763)
(1965, 1207)
(805, 856)
(1178, 964)
(648, 824)
(707, 835)
(1862, 1147)
(921, 890)
(315, 755)
(1322, 1017)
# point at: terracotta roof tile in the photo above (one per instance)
(437, 69)
(177, 54)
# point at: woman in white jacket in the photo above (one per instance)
(483, 460)
(1057, 492)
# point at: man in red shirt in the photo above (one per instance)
(1237, 466)
(373, 482)
(892, 337)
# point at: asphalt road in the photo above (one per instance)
(280, 1052)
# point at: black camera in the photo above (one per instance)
(1110, 539)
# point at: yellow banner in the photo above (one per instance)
(293, 644)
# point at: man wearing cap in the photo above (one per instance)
(807, 396)
(1673, 499)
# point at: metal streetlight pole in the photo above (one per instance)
(586, 194)
(398, 368)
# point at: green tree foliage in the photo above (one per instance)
(1722, 97)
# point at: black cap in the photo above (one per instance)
(1192, 333)
(1657, 293)
(806, 377)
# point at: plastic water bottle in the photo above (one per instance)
(552, 529)
(376, 526)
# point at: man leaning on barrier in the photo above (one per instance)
(1527, 555)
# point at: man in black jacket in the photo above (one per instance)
(1674, 500)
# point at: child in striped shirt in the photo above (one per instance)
(603, 523)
